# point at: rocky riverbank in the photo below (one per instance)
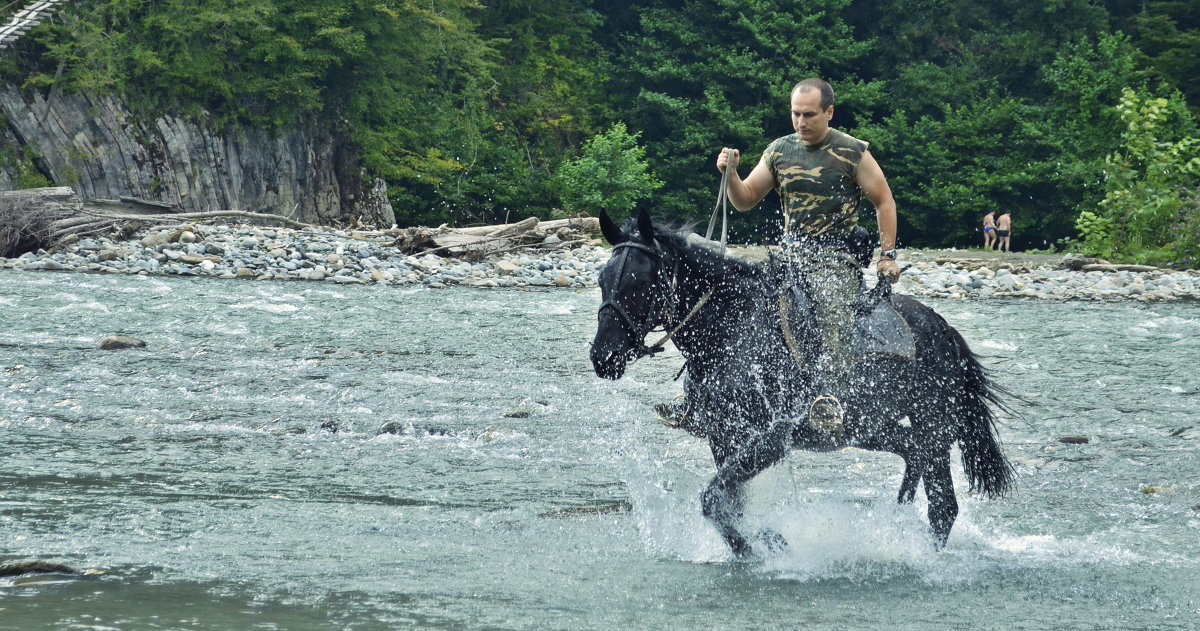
(350, 257)
(334, 256)
(975, 274)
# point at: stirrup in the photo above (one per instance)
(825, 415)
(677, 414)
(673, 413)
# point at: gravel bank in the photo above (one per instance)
(336, 256)
(333, 256)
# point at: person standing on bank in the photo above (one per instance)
(989, 230)
(821, 174)
(1003, 231)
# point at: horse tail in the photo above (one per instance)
(986, 467)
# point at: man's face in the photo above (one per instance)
(808, 119)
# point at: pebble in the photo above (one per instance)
(336, 256)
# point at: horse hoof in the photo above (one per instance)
(772, 541)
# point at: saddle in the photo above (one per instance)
(879, 330)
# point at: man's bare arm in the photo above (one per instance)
(872, 181)
(745, 194)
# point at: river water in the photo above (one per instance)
(522, 492)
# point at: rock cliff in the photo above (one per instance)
(97, 146)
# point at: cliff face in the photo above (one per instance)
(98, 147)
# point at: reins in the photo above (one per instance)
(722, 200)
(658, 346)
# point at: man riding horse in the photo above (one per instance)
(820, 174)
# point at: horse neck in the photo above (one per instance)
(705, 337)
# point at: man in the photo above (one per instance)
(1003, 231)
(820, 174)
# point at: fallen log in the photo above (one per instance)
(26, 216)
(1117, 267)
(62, 194)
(51, 217)
(528, 223)
(467, 243)
(1076, 263)
(584, 224)
(212, 214)
(134, 205)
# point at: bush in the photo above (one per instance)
(611, 174)
(1143, 217)
(1186, 248)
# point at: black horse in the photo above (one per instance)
(749, 394)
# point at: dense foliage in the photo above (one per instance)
(1065, 112)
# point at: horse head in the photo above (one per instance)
(634, 296)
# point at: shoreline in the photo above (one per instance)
(355, 257)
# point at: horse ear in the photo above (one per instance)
(611, 232)
(645, 226)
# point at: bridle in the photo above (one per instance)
(667, 297)
(670, 296)
(635, 330)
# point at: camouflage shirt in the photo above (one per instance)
(817, 184)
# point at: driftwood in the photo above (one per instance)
(502, 229)
(93, 222)
(480, 241)
(27, 216)
(214, 214)
(45, 218)
(583, 224)
(134, 205)
(1076, 263)
(1110, 267)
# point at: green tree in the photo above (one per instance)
(411, 83)
(1167, 36)
(695, 75)
(973, 124)
(548, 85)
(611, 175)
(1146, 184)
(405, 82)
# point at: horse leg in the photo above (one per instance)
(899, 440)
(722, 499)
(939, 488)
(908, 486)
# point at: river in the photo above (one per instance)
(203, 481)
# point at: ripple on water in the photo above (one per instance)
(269, 307)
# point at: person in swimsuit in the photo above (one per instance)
(1003, 231)
(989, 231)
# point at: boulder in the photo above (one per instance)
(23, 568)
(117, 342)
(156, 239)
(393, 427)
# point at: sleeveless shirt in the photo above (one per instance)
(816, 184)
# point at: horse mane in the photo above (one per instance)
(678, 240)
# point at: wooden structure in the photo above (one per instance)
(24, 20)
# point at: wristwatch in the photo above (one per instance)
(891, 254)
